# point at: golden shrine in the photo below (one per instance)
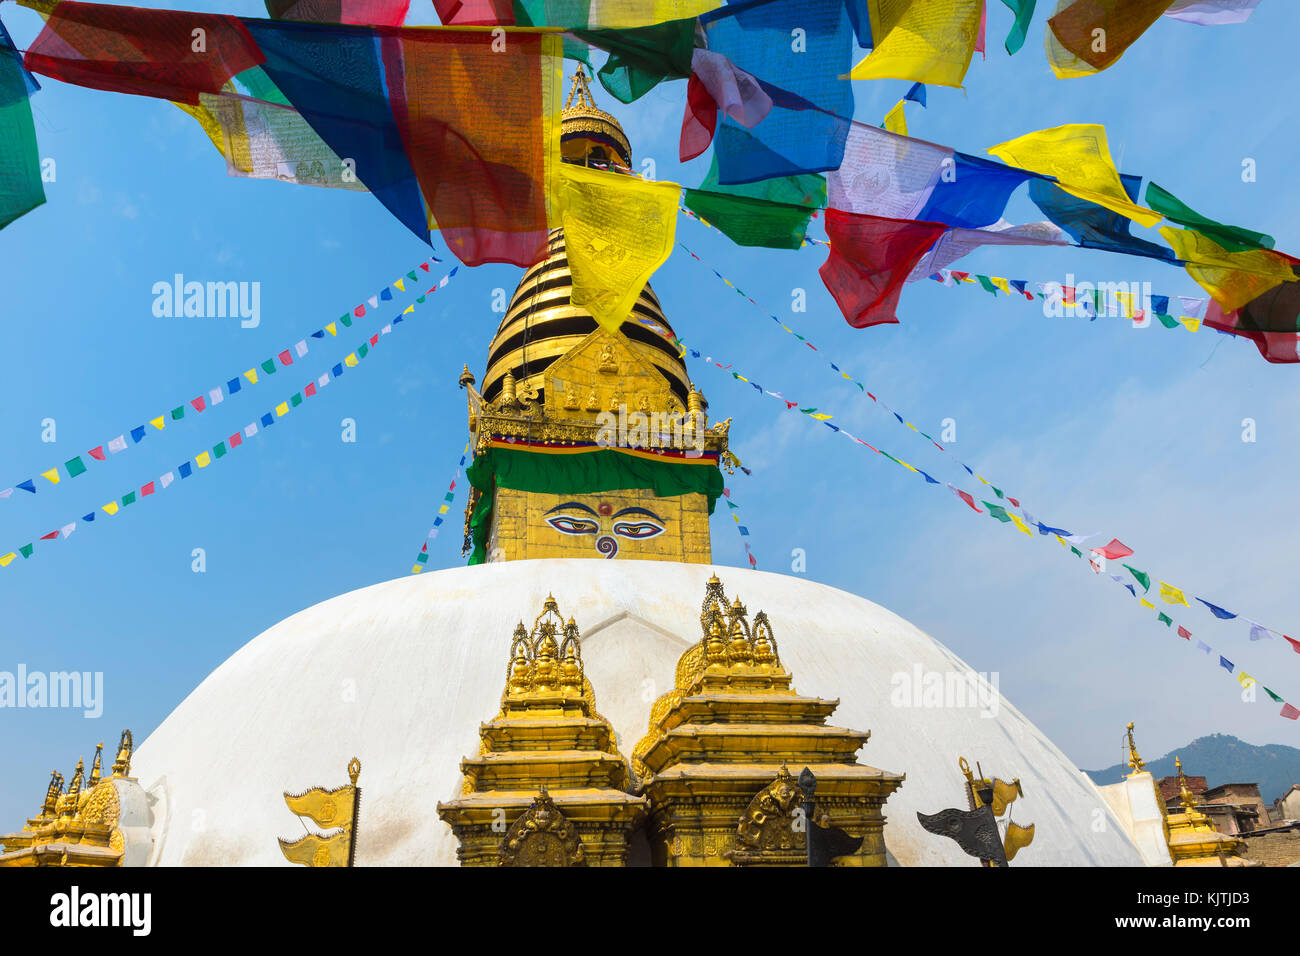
(93, 823)
(1193, 841)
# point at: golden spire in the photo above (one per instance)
(96, 766)
(125, 747)
(581, 90)
(1134, 760)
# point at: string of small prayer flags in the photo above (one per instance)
(422, 558)
(77, 465)
(1001, 514)
(744, 531)
(845, 376)
(1092, 303)
(224, 447)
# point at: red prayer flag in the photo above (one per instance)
(424, 266)
(1184, 633)
(1271, 320)
(146, 489)
(286, 358)
(359, 311)
(965, 496)
(699, 120)
(1116, 549)
(1014, 503)
(145, 52)
(870, 259)
(310, 390)
(471, 118)
(97, 453)
(198, 403)
(475, 13)
(49, 537)
(235, 440)
(424, 547)
(1289, 712)
(374, 339)
(1295, 645)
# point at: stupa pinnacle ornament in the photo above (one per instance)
(1134, 760)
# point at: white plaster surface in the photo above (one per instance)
(401, 674)
(1134, 801)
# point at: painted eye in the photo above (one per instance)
(637, 529)
(566, 525)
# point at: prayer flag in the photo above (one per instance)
(1217, 611)
(1233, 279)
(930, 42)
(75, 466)
(203, 459)
(379, 13)
(896, 120)
(1289, 712)
(1143, 578)
(1024, 11)
(617, 230)
(1271, 320)
(1087, 36)
(1171, 594)
(869, 260)
(21, 187)
(1184, 633)
(1208, 12)
(52, 476)
(1231, 238)
(1078, 155)
(1225, 663)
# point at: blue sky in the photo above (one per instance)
(1095, 426)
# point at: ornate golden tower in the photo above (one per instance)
(588, 443)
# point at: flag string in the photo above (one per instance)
(732, 507)
(236, 440)
(77, 465)
(422, 558)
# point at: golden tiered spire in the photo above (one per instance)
(1134, 760)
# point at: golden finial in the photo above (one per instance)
(580, 89)
(354, 770)
(52, 794)
(125, 747)
(1134, 760)
(96, 766)
(466, 376)
(1185, 792)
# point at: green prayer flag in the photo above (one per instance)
(25, 551)
(1024, 11)
(269, 366)
(1165, 618)
(1144, 579)
(987, 283)
(128, 498)
(1232, 238)
(346, 320)
(178, 413)
(363, 350)
(640, 58)
(219, 449)
(1276, 699)
(1077, 552)
(806, 189)
(296, 400)
(21, 190)
(997, 491)
(752, 222)
(75, 466)
(1168, 321)
(422, 557)
(997, 511)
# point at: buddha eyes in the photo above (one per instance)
(568, 525)
(637, 529)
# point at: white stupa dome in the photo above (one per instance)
(402, 673)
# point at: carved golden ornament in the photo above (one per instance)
(1134, 760)
(547, 659)
(768, 823)
(542, 836)
(1001, 795)
(607, 364)
(101, 806)
(96, 766)
(339, 808)
(52, 793)
(68, 803)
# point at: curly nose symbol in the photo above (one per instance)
(607, 546)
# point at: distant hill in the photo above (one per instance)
(1221, 758)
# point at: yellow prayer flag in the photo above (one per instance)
(930, 42)
(313, 850)
(282, 409)
(332, 329)
(1233, 278)
(52, 476)
(1244, 679)
(203, 459)
(157, 422)
(1020, 524)
(399, 284)
(1060, 539)
(1193, 325)
(251, 375)
(820, 416)
(905, 465)
(617, 231)
(911, 426)
(1078, 155)
(1000, 283)
(408, 309)
(896, 120)
(626, 14)
(442, 510)
(351, 360)
(110, 508)
(207, 120)
(6, 558)
(1145, 603)
(982, 479)
(1171, 594)
(416, 569)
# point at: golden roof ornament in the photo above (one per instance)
(52, 794)
(329, 809)
(542, 836)
(1134, 760)
(580, 116)
(96, 767)
(125, 747)
(466, 376)
(1188, 799)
